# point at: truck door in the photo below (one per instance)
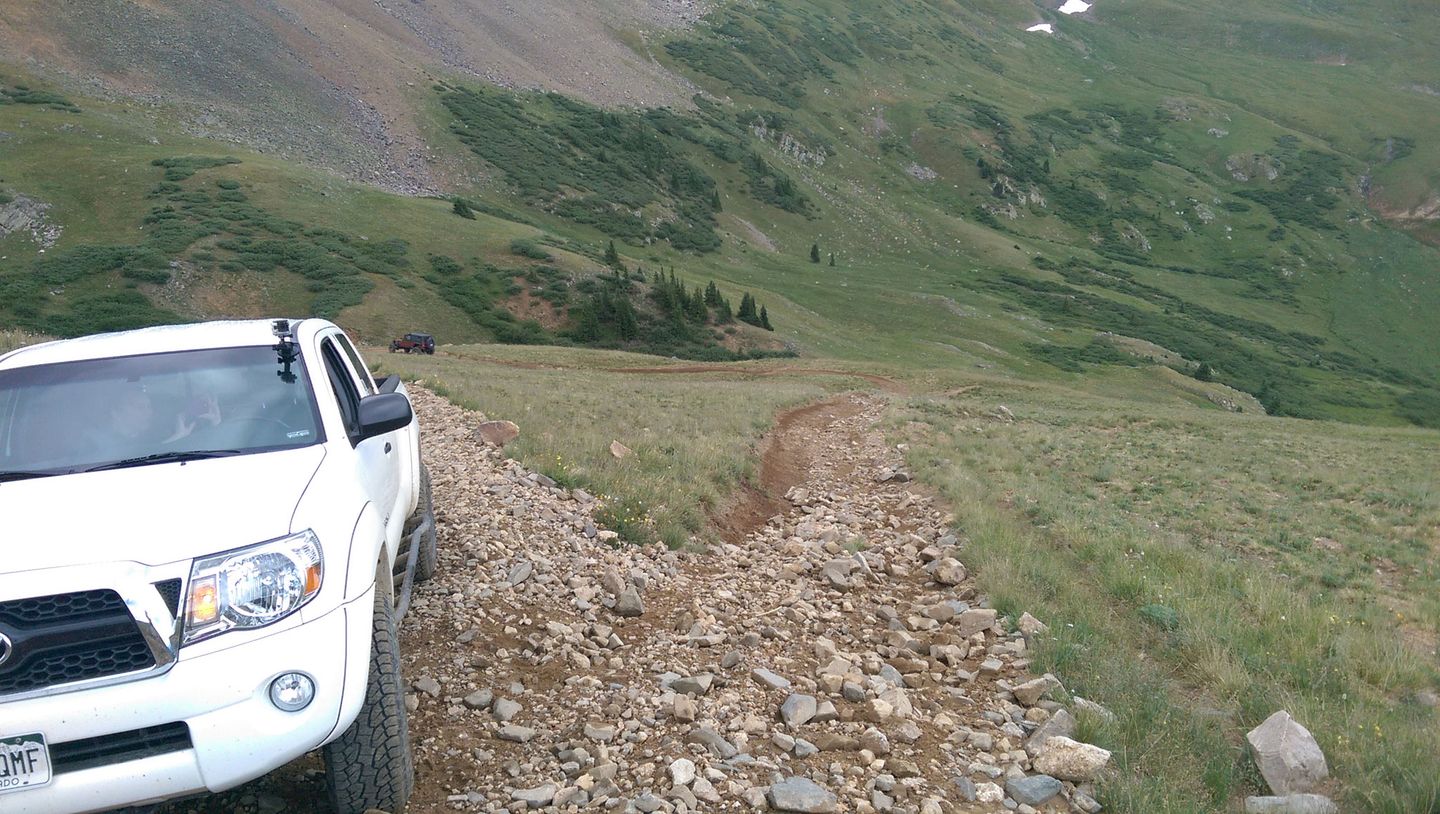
(376, 459)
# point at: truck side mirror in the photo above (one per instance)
(382, 413)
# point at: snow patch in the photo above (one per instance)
(1075, 7)
(1046, 27)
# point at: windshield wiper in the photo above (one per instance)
(21, 475)
(166, 458)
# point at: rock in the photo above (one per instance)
(538, 797)
(682, 771)
(604, 733)
(516, 734)
(804, 748)
(825, 711)
(619, 450)
(769, 679)
(973, 621)
(965, 787)
(520, 572)
(612, 582)
(480, 699)
(1034, 790)
(797, 794)
(505, 709)
(427, 685)
(693, 685)
(989, 793)
(713, 741)
(991, 666)
(1030, 626)
(1061, 724)
(1071, 760)
(704, 790)
(1091, 708)
(629, 604)
(875, 741)
(798, 709)
(1289, 758)
(1030, 692)
(832, 742)
(498, 433)
(902, 768)
(949, 571)
(684, 708)
(1427, 698)
(836, 574)
(1291, 804)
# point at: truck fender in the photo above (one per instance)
(371, 559)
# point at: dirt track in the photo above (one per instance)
(527, 682)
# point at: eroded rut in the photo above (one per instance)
(831, 647)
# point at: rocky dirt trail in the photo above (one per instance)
(831, 656)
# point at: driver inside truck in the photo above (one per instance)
(132, 416)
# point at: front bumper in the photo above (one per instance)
(236, 733)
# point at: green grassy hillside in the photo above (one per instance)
(1208, 179)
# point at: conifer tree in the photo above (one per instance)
(832, 260)
(695, 307)
(765, 319)
(463, 209)
(612, 257)
(712, 295)
(814, 252)
(747, 308)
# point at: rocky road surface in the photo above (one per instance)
(834, 658)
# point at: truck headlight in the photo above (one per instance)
(253, 586)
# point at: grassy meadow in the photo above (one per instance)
(1200, 570)
(693, 436)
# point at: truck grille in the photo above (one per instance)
(68, 637)
(76, 756)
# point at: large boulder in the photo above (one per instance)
(1071, 760)
(1289, 758)
(498, 433)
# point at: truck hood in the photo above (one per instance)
(152, 514)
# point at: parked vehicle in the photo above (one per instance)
(414, 343)
(210, 534)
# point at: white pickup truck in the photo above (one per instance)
(207, 535)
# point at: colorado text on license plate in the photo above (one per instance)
(24, 762)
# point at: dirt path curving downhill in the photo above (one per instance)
(551, 669)
(784, 460)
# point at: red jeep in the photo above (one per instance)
(414, 343)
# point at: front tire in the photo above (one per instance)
(370, 766)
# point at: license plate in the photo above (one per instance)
(24, 762)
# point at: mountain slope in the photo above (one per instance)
(1152, 175)
(329, 82)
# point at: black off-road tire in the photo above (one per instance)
(429, 558)
(370, 766)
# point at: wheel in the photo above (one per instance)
(393, 348)
(428, 559)
(370, 766)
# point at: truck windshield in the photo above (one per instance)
(135, 410)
